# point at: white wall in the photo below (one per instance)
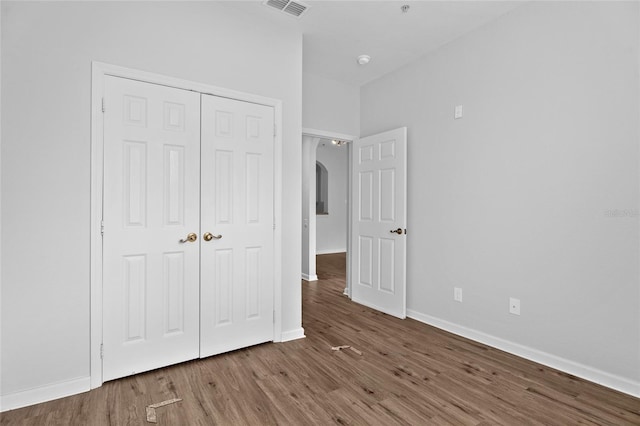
(330, 105)
(519, 197)
(333, 108)
(331, 229)
(47, 49)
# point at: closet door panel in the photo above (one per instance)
(237, 179)
(151, 202)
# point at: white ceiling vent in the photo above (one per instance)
(291, 7)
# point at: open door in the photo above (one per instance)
(378, 222)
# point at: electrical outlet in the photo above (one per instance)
(514, 306)
(457, 294)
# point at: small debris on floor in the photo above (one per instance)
(339, 348)
(355, 350)
(151, 409)
(151, 415)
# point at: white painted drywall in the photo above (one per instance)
(331, 229)
(47, 49)
(534, 192)
(330, 105)
(333, 108)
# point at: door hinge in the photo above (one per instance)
(103, 109)
(275, 130)
(101, 350)
(274, 316)
(274, 223)
(102, 227)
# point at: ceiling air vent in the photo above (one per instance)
(291, 7)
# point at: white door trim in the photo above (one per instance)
(306, 131)
(98, 71)
(309, 148)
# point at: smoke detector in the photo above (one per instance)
(290, 7)
(364, 59)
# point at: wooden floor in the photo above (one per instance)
(408, 373)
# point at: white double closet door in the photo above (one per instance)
(178, 162)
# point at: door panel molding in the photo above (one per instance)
(379, 214)
(151, 286)
(173, 121)
(232, 316)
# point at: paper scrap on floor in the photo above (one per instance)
(339, 348)
(151, 409)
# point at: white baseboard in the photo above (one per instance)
(331, 251)
(309, 277)
(44, 393)
(591, 374)
(292, 335)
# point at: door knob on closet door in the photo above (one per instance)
(190, 238)
(208, 236)
(396, 231)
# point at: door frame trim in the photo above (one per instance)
(98, 72)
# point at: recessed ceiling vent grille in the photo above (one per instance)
(291, 7)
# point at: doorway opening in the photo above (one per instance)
(332, 171)
(376, 211)
(326, 181)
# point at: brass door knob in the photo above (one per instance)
(190, 238)
(396, 231)
(208, 236)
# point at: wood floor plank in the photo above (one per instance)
(409, 373)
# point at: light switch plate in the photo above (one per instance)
(457, 294)
(457, 112)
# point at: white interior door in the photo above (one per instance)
(151, 202)
(237, 210)
(378, 222)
